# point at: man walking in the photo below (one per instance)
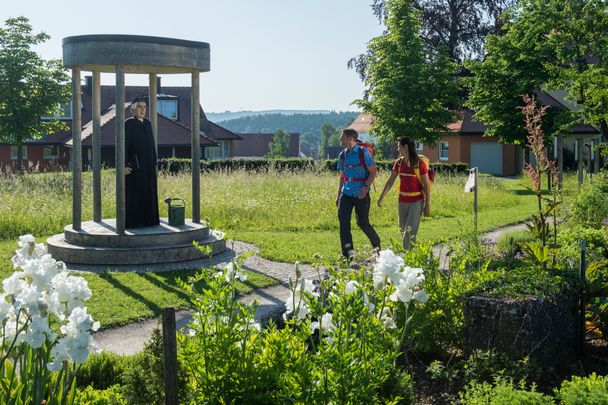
(357, 172)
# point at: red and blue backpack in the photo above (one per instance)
(362, 147)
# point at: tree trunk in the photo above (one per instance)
(604, 130)
(20, 158)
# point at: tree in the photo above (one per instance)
(327, 131)
(546, 45)
(409, 86)
(458, 25)
(279, 147)
(30, 86)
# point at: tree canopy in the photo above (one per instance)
(30, 86)
(546, 45)
(279, 147)
(409, 85)
(458, 25)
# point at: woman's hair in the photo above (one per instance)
(411, 149)
(133, 105)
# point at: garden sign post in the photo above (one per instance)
(471, 185)
(581, 269)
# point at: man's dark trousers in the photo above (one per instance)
(345, 212)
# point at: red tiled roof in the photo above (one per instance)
(362, 123)
(170, 132)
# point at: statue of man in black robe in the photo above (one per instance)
(141, 198)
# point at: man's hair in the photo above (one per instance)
(133, 105)
(350, 133)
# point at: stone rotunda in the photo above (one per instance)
(106, 242)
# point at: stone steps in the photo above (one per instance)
(98, 244)
(103, 234)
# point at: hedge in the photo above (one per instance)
(458, 167)
(175, 165)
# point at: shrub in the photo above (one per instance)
(525, 280)
(142, 380)
(440, 167)
(399, 385)
(176, 165)
(509, 243)
(596, 240)
(438, 324)
(110, 396)
(503, 392)
(591, 205)
(102, 371)
(339, 344)
(588, 390)
(442, 372)
(489, 365)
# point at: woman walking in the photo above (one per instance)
(414, 190)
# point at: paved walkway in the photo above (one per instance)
(130, 339)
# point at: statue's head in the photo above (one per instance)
(138, 108)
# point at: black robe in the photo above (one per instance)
(141, 190)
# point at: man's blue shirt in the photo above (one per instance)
(351, 170)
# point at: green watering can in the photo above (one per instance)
(177, 212)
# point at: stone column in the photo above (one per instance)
(196, 149)
(96, 147)
(579, 156)
(152, 108)
(76, 151)
(560, 159)
(120, 149)
(596, 155)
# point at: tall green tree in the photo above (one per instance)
(279, 147)
(458, 25)
(327, 131)
(409, 85)
(546, 45)
(30, 87)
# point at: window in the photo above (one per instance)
(64, 113)
(50, 152)
(168, 108)
(555, 142)
(419, 146)
(222, 151)
(443, 151)
(14, 152)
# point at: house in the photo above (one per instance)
(257, 145)
(465, 142)
(174, 137)
(361, 124)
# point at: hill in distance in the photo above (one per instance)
(229, 115)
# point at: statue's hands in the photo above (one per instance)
(127, 171)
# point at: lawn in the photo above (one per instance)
(290, 216)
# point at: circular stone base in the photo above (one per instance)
(97, 243)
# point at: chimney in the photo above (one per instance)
(88, 84)
(158, 88)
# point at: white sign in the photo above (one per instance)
(470, 186)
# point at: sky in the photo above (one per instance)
(265, 54)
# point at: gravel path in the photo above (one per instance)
(130, 339)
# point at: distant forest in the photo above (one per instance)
(307, 125)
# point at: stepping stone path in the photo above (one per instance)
(130, 339)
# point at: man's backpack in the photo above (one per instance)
(362, 146)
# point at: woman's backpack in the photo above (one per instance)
(431, 171)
